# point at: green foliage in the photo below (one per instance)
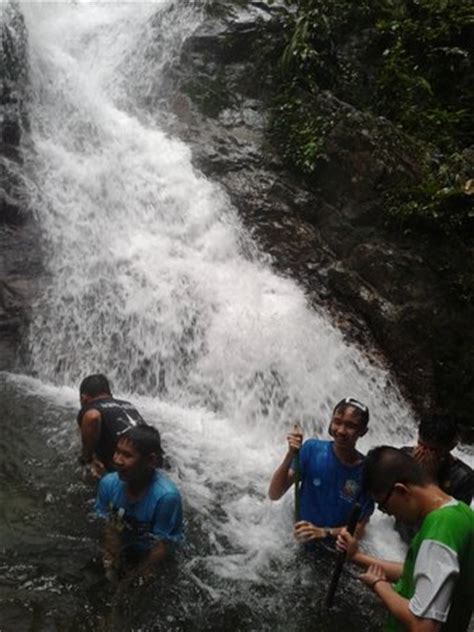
(406, 60)
(314, 30)
(441, 209)
(424, 79)
(299, 130)
(442, 201)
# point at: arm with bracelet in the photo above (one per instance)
(378, 576)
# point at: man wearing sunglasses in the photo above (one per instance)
(437, 436)
(433, 590)
(330, 474)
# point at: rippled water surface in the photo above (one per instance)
(50, 575)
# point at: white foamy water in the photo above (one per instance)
(146, 272)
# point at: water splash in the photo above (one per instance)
(147, 273)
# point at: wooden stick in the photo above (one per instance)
(341, 556)
(297, 470)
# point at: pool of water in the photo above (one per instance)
(51, 577)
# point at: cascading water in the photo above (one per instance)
(151, 274)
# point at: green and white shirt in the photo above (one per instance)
(438, 573)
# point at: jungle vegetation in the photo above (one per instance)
(409, 61)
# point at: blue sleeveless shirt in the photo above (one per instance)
(328, 487)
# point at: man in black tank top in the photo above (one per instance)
(102, 420)
(437, 436)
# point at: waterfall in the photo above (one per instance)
(150, 271)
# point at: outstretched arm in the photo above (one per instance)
(432, 589)
(346, 542)
(284, 477)
(376, 579)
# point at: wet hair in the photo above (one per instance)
(361, 412)
(438, 429)
(384, 466)
(94, 385)
(146, 440)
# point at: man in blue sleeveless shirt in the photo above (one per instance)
(141, 504)
(331, 475)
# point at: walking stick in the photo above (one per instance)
(297, 471)
(341, 556)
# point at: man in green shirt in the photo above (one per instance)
(434, 589)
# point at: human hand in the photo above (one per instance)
(92, 470)
(295, 439)
(305, 531)
(373, 575)
(346, 543)
(97, 468)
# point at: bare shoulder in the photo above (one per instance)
(90, 416)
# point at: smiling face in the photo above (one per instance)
(346, 427)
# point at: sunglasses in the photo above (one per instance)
(356, 404)
(382, 504)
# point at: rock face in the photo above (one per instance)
(19, 253)
(329, 234)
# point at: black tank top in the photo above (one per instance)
(117, 416)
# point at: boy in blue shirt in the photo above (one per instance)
(141, 504)
(331, 475)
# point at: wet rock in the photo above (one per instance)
(19, 251)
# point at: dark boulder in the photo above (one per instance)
(19, 251)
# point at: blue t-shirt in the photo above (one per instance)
(328, 487)
(156, 516)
